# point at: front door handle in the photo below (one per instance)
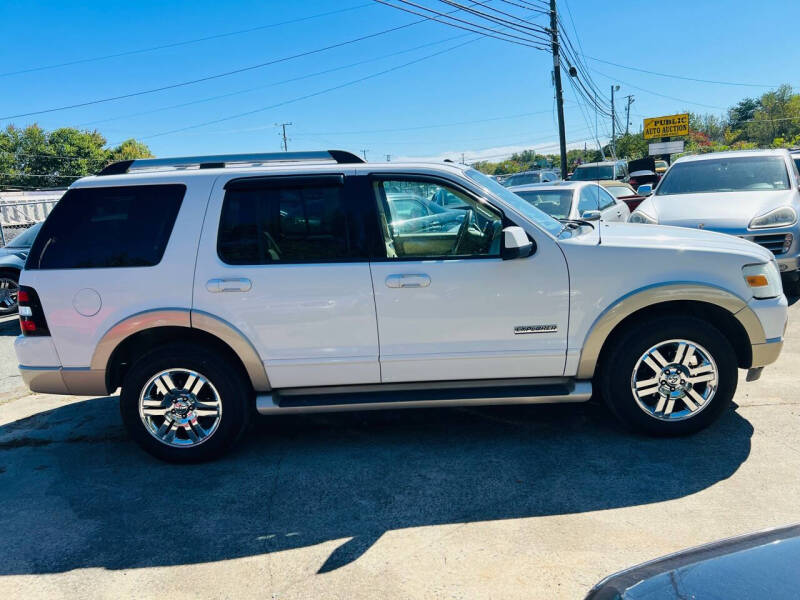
(415, 280)
(239, 284)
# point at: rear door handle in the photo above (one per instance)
(239, 284)
(415, 280)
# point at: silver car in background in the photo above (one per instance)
(585, 200)
(752, 194)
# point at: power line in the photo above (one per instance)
(310, 95)
(718, 82)
(474, 27)
(274, 83)
(526, 7)
(536, 29)
(218, 75)
(184, 42)
(363, 131)
(645, 90)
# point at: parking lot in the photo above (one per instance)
(511, 502)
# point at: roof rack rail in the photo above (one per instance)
(216, 161)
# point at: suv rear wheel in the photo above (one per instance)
(669, 376)
(183, 404)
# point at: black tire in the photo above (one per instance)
(13, 276)
(791, 285)
(234, 390)
(619, 361)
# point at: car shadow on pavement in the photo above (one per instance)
(76, 493)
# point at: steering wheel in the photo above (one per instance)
(462, 231)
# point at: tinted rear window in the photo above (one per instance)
(736, 174)
(291, 223)
(95, 228)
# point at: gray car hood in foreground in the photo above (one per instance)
(719, 211)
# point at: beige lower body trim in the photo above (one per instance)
(169, 317)
(85, 382)
(44, 380)
(72, 382)
(766, 354)
(651, 296)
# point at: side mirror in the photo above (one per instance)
(591, 215)
(645, 189)
(516, 243)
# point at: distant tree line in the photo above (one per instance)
(32, 157)
(769, 121)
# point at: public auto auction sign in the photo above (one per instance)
(670, 126)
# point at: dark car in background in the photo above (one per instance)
(758, 565)
(607, 170)
(530, 177)
(12, 260)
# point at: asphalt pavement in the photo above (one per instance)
(505, 502)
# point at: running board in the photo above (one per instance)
(342, 401)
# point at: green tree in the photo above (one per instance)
(632, 146)
(32, 157)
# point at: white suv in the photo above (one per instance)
(208, 287)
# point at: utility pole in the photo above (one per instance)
(285, 139)
(631, 100)
(614, 88)
(562, 136)
(462, 159)
(364, 152)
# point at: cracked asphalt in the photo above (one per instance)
(507, 502)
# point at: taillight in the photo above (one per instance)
(31, 314)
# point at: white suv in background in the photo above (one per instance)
(206, 287)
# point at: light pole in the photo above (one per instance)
(614, 88)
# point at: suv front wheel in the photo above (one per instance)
(184, 404)
(669, 376)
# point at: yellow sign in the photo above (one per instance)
(673, 125)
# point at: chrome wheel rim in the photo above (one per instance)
(8, 293)
(180, 408)
(674, 380)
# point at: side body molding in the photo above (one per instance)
(658, 294)
(182, 317)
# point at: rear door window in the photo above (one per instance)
(107, 227)
(298, 220)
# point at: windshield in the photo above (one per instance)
(619, 191)
(594, 172)
(556, 203)
(25, 239)
(730, 174)
(526, 209)
(522, 179)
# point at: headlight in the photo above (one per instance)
(780, 217)
(764, 280)
(640, 217)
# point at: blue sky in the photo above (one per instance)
(484, 98)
